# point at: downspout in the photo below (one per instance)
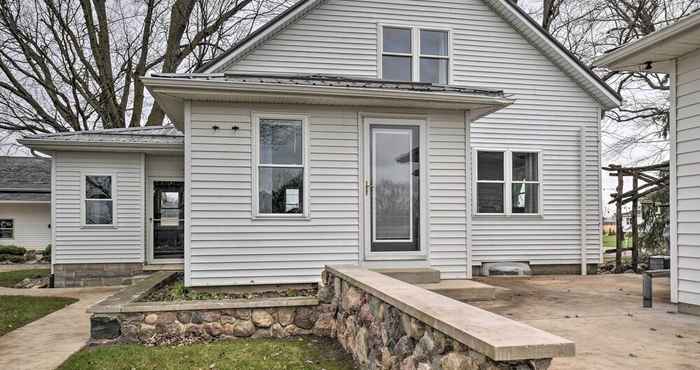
(468, 192)
(582, 198)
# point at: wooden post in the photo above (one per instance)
(635, 231)
(619, 234)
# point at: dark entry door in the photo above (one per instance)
(168, 220)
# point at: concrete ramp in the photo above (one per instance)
(412, 275)
(467, 290)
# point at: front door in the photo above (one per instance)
(393, 188)
(167, 223)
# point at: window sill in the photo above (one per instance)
(98, 227)
(280, 218)
(512, 215)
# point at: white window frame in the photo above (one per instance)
(12, 237)
(415, 48)
(256, 214)
(83, 199)
(507, 182)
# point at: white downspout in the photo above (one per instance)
(582, 137)
(468, 191)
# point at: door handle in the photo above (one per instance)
(368, 187)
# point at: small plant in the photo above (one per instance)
(12, 250)
(12, 258)
(179, 291)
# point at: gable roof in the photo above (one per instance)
(652, 52)
(25, 179)
(512, 13)
(132, 138)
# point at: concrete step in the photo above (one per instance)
(412, 275)
(467, 290)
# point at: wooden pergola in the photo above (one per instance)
(652, 184)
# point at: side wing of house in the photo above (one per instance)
(687, 152)
(553, 116)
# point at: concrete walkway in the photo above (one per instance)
(46, 343)
(602, 314)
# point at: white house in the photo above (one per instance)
(675, 50)
(384, 133)
(25, 202)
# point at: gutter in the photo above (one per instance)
(99, 146)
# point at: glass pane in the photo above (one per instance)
(524, 166)
(525, 198)
(168, 240)
(393, 174)
(6, 234)
(433, 43)
(98, 187)
(281, 190)
(433, 70)
(490, 166)
(396, 68)
(281, 141)
(5, 224)
(397, 40)
(98, 212)
(489, 198)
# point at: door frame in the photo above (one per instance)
(149, 221)
(365, 215)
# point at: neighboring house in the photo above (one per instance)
(609, 225)
(25, 202)
(382, 133)
(675, 50)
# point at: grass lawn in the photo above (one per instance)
(16, 311)
(250, 354)
(8, 279)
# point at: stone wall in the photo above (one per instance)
(94, 274)
(380, 336)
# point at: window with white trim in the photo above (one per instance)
(7, 228)
(98, 201)
(507, 182)
(281, 168)
(415, 54)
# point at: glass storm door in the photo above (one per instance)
(168, 219)
(394, 188)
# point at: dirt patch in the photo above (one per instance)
(175, 290)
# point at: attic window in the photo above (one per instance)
(415, 54)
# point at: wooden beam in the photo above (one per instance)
(620, 234)
(635, 231)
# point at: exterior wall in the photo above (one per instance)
(687, 172)
(31, 223)
(340, 37)
(122, 243)
(165, 165)
(228, 247)
(73, 275)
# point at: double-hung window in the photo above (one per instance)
(7, 228)
(281, 166)
(415, 54)
(507, 182)
(98, 200)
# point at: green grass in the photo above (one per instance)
(609, 241)
(8, 279)
(16, 311)
(248, 354)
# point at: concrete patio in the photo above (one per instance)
(603, 315)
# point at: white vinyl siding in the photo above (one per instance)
(121, 242)
(340, 37)
(688, 177)
(165, 166)
(31, 224)
(228, 246)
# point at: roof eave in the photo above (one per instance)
(174, 89)
(99, 146)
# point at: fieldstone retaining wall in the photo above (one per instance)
(380, 336)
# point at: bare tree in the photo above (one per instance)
(589, 29)
(72, 65)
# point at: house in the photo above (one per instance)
(25, 202)
(675, 50)
(387, 134)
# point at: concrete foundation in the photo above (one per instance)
(691, 309)
(94, 274)
(574, 269)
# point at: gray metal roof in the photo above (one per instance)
(336, 81)
(138, 135)
(25, 179)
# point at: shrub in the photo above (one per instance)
(47, 253)
(13, 250)
(12, 258)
